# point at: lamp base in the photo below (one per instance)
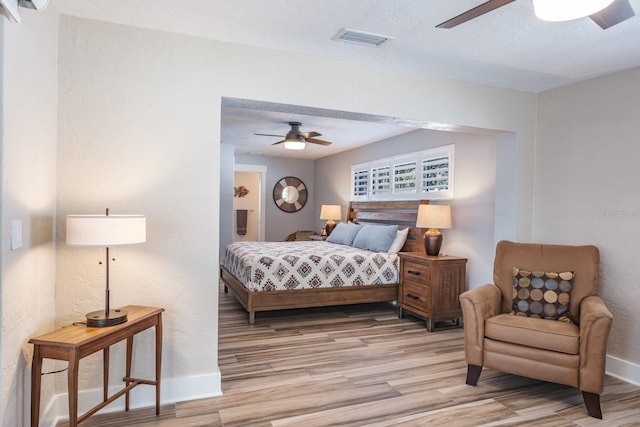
(329, 226)
(432, 244)
(100, 319)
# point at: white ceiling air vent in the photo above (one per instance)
(360, 37)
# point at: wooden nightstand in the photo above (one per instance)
(430, 286)
(317, 237)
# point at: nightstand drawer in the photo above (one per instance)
(416, 295)
(415, 271)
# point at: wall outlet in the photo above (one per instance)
(16, 234)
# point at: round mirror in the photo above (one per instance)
(290, 194)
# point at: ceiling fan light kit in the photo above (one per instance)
(297, 140)
(566, 10)
(605, 13)
(294, 143)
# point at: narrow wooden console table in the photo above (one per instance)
(72, 343)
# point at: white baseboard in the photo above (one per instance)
(202, 386)
(623, 369)
(172, 390)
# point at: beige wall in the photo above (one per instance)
(587, 178)
(29, 56)
(139, 133)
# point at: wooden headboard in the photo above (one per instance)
(402, 213)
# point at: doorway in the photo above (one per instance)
(249, 202)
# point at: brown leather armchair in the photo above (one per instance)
(571, 353)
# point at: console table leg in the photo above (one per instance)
(105, 374)
(128, 370)
(158, 362)
(36, 378)
(72, 386)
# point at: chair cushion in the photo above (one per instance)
(533, 332)
(542, 294)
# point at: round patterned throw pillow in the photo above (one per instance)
(542, 294)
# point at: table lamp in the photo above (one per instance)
(105, 231)
(330, 213)
(433, 217)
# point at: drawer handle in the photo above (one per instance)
(413, 296)
(415, 273)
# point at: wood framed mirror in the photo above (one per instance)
(290, 194)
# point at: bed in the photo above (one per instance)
(266, 276)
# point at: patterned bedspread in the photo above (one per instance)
(269, 266)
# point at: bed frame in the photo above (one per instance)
(402, 213)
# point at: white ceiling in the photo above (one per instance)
(241, 120)
(508, 47)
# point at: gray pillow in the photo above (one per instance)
(344, 233)
(375, 238)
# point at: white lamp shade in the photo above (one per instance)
(434, 216)
(566, 10)
(331, 212)
(104, 231)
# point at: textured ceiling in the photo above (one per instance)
(507, 48)
(242, 119)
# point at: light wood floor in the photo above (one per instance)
(362, 366)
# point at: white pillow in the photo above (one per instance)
(398, 242)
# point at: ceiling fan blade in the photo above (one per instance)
(474, 13)
(268, 134)
(307, 135)
(279, 142)
(615, 13)
(317, 141)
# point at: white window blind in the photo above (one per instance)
(404, 177)
(380, 181)
(360, 184)
(435, 174)
(424, 174)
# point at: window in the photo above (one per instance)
(425, 174)
(380, 182)
(404, 177)
(360, 184)
(435, 174)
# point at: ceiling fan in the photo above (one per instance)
(295, 139)
(611, 15)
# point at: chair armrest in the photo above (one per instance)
(478, 305)
(595, 324)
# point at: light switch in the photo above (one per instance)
(16, 234)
